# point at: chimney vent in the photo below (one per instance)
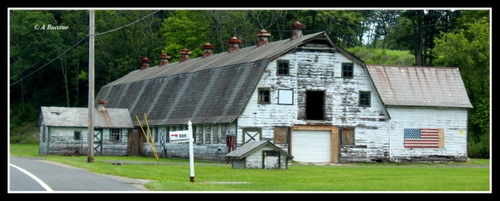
(207, 49)
(100, 105)
(297, 29)
(234, 42)
(145, 63)
(164, 59)
(185, 54)
(263, 37)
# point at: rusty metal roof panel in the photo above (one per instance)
(78, 117)
(419, 86)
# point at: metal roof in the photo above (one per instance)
(209, 90)
(250, 147)
(419, 86)
(78, 117)
(243, 55)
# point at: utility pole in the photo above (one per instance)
(90, 134)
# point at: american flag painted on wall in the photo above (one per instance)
(421, 138)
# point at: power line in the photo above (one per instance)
(20, 79)
(116, 29)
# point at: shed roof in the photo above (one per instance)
(209, 90)
(419, 86)
(252, 146)
(78, 117)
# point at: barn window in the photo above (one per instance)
(283, 67)
(364, 98)
(76, 135)
(347, 136)
(347, 70)
(285, 97)
(115, 134)
(264, 96)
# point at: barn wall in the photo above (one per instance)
(452, 120)
(206, 152)
(321, 71)
(60, 141)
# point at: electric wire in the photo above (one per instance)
(74, 45)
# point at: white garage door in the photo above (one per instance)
(311, 146)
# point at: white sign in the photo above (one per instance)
(178, 136)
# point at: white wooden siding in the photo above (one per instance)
(452, 120)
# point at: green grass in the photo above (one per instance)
(296, 178)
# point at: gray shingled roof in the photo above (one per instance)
(419, 86)
(78, 117)
(248, 148)
(209, 90)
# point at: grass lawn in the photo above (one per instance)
(296, 178)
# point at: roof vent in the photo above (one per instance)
(234, 42)
(207, 49)
(145, 63)
(185, 54)
(164, 59)
(263, 37)
(297, 28)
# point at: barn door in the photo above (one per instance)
(250, 134)
(98, 141)
(270, 159)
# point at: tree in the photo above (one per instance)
(469, 49)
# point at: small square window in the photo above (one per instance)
(115, 134)
(347, 136)
(77, 135)
(347, 70)
(364, 98)
(264, 96)
(285, 97)
(283, 67)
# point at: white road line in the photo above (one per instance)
(43, 184)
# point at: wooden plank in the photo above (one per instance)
(441, 138)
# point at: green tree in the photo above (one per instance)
(469, 49)
(184, 29)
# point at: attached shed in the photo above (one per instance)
(63, 131)
(259, 155)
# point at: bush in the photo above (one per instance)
(383, 56)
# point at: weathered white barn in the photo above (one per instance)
(63, 131)
(307, 95)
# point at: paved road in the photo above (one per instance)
(31, 174)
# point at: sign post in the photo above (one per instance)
(191, 152)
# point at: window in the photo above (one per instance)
(285, 97)
(115, 134)
(364, 98)
(347, 136)
(347, 70)
(76, 135)
(264, 96)
(283, 67)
